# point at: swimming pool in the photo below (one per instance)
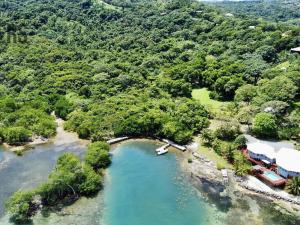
(272, 176)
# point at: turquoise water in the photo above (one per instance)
(140, 189)
(145, 189)
(272, 176)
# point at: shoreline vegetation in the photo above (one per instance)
(31, 142)
(40, 140)
(210, 171)
(70, 179)
(202, 168)
(186, 70)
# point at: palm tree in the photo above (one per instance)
(293, 186)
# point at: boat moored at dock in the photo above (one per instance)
(162, 150)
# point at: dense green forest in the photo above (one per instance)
(112, 68)
(128, 68)
(272, 10)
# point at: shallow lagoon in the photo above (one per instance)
(140, 189)
(143, 188)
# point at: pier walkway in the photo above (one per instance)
(116, 140)
(173, 144)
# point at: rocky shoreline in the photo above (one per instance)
(274, 196)
(204, 172)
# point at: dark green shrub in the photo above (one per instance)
(207, 137)
(240, 141)
(20, 206)
(264, 125)
(17, 135)
(62, 108)
(97, 155)
(287, 133)
(227, 131)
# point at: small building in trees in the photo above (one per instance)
(296, 50)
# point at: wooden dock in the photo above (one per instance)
(173, 144)
(225, 176)
(117, 140)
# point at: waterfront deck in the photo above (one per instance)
(117, 140)
(267, 175)
(173, 144)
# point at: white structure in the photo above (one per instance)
(288, 162)
(229, 14)
(286, 159)
(296, 49)
(180, 147)
(224, 175)
(260, 151)
(116, 140)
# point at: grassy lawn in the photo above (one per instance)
(106, 5)
(214, 106)
(218, 109)
(283, 65)
(211, 155)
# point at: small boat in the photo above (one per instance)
(161, 148)
(162, 151)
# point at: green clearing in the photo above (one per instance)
(282, 65)
(202, 95)
(214, 106)
(106, 5)
(211, 155)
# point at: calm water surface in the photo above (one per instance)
(146, 189)
(140, 189)
(31, 169)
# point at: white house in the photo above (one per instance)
(296, 49)
(286, 159)
(288, 162)
(261, 151)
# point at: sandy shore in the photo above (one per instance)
(62, 137)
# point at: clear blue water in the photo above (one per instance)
(272, 176)
(140, 189)
(145, 189)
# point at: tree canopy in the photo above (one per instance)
(129, 68)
